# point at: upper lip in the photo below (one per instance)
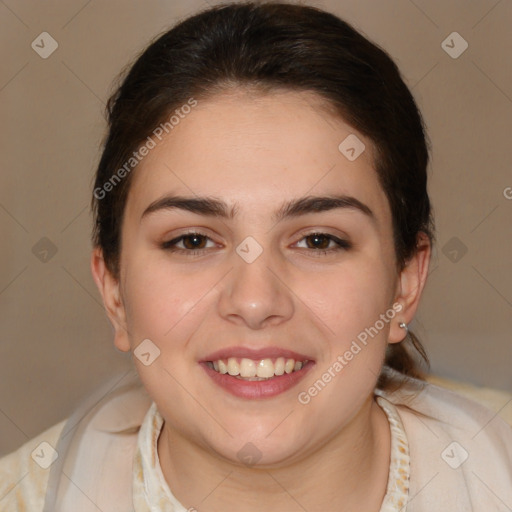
(255, 354)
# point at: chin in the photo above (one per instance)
(259, 449)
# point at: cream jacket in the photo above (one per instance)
(460, 454)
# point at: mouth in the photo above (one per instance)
(256, 374)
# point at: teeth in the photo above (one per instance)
(233, 366)
(279, 366)
(289, 366)
(222, 366)
(263, 369)
(248, 368)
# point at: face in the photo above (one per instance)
(259, 275)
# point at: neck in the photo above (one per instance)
(348, 473)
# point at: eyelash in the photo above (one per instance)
(342, 245)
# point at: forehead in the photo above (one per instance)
(255, 150)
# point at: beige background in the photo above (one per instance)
(56, 343)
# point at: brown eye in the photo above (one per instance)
(323, 243)
(188, 243)
(194, 241)
(318, 241)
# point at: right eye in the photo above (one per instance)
(192, 243)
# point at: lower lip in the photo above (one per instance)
(256, 389)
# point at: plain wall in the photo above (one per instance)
(56, 342)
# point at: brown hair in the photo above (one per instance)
(272, 46)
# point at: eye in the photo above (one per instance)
(191, 243)
(195, 243)
(324, 243)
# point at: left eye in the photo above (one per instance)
(322, 241)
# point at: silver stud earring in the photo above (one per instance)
(403, 325)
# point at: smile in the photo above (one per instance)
(256, 374)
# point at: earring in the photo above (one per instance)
(403, 325)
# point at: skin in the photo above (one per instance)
(255, 152)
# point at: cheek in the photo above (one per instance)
(350, 298)
(350, 306)
(158, 297)
(351, 303)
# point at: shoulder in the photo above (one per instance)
(24, 473)
(92, 449)
(460, 450)
(497, 400)
(456, 410)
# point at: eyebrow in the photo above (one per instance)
(212, 207)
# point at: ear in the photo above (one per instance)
(108, 286)
(410, 287)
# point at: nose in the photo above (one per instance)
(255, 294)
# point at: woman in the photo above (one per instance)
(262, 239)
